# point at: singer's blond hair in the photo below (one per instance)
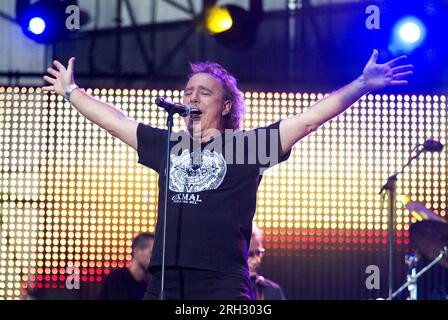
(231, 92)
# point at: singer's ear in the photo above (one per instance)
(226, 108)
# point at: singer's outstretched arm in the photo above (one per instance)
(104, 115)
(374, 77)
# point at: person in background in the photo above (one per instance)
(130, 283)
(264, 289)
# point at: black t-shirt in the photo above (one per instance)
(211, 196)
(121, 285)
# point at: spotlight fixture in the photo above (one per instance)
(233, 26)
(407, 35)
(44, 21)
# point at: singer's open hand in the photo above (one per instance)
(62, 77)
(390, 74)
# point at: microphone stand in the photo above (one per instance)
(172, 109)
(412, 278)
(169, 124)
(391, 185)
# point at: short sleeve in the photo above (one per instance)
(150, 146)
(269, 148)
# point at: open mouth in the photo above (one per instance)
(195, 113)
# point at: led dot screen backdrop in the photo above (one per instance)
(73, 196)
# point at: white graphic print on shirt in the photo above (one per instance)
(191, 176)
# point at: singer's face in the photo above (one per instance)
(205, 93)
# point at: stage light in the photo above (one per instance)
(44, 21)
(314, 195)
(218, 20)
(233, 26)
(408, 34)
(37, 25)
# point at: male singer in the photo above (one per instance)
(212, 188)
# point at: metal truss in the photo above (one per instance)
(306, 16)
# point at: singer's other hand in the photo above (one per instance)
(390, 74)
(60, 78)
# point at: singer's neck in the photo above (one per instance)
(197, 132)
(205, 135)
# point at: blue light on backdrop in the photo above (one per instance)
(408, 34)
(44, 21)
(37, 25)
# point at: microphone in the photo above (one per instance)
(182, 109)
(432, 145)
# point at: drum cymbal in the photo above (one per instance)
(422, 212)
(429, 237)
